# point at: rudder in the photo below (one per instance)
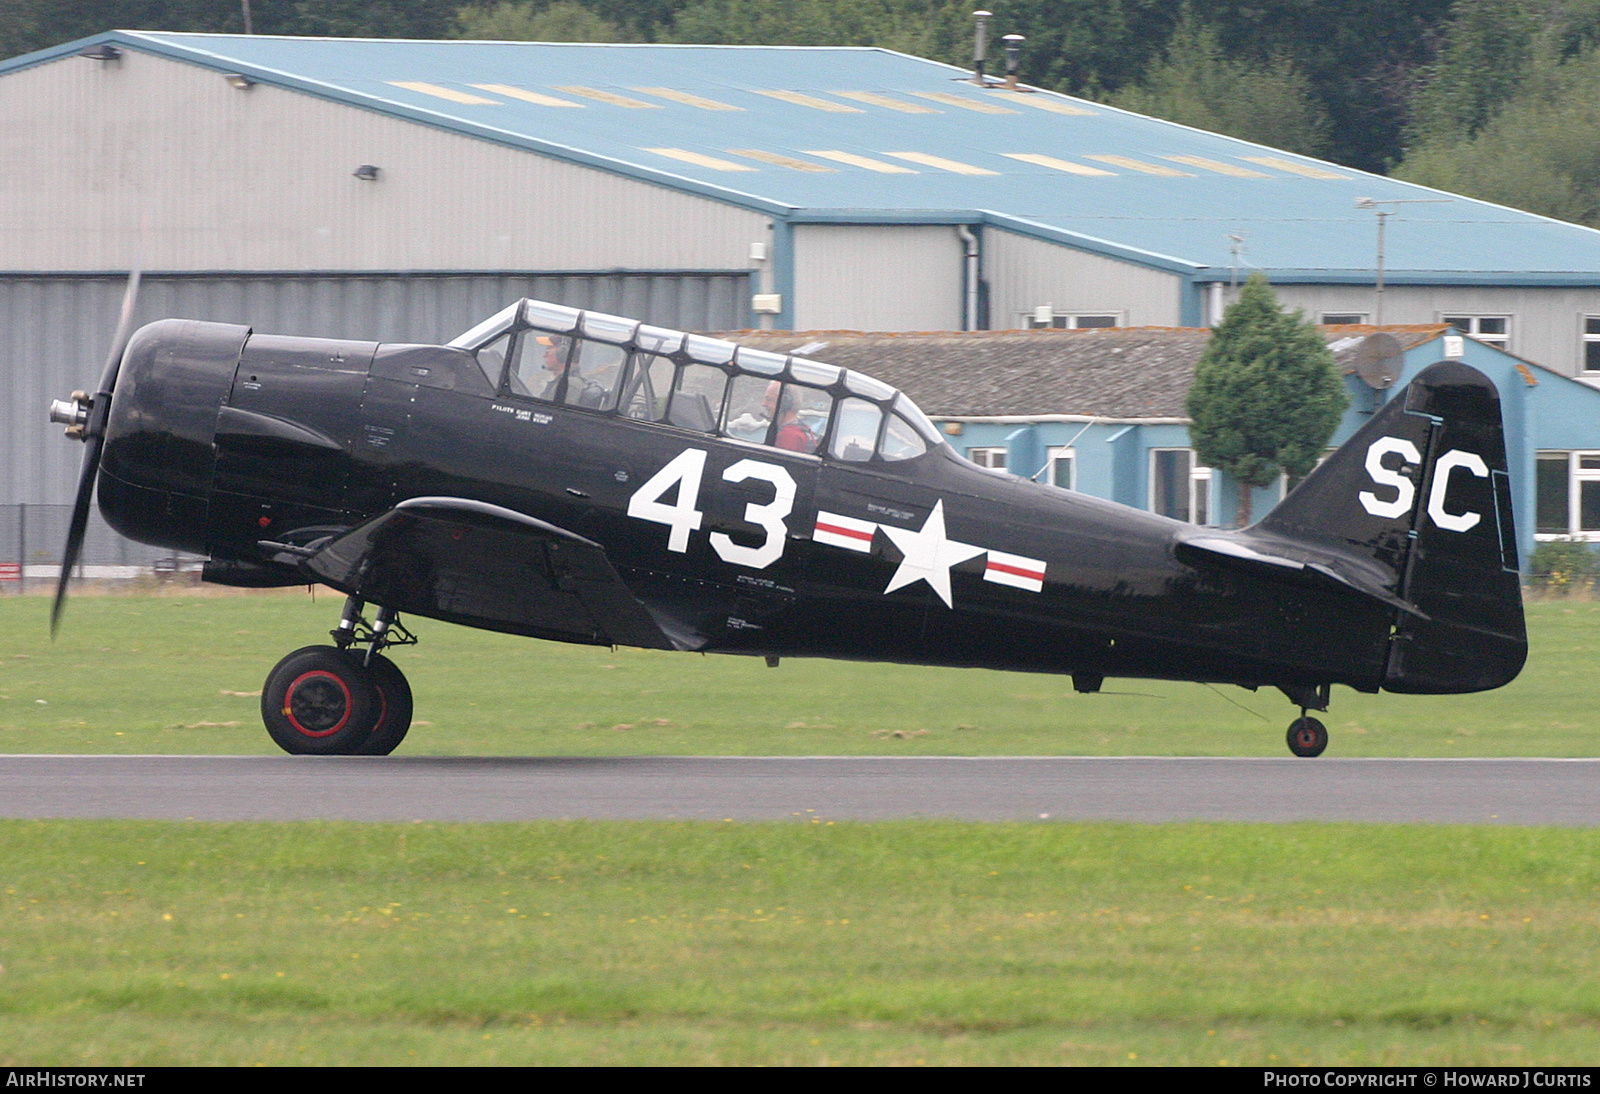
(1420, 499)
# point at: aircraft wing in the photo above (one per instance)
(482, 565)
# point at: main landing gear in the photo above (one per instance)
(1307, 736)
(341, 700)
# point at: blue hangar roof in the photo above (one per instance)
(861, 135)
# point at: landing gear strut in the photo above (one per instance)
(341, 700)
(1307, 736)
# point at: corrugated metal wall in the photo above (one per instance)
(261, 180)
(877, 277)
(35, 534)
(1024, 273)
(54, 332)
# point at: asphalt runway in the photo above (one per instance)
(402, 788)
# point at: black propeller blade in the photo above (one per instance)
(93, 433)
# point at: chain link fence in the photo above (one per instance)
(32, 538)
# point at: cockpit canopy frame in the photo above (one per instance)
(630, 369)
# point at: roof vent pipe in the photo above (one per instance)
(1013, 44)
(980, 44)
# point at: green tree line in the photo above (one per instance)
(1491, 98)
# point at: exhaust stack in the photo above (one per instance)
(1013, 44)
(980, 45)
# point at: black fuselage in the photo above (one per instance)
(225, 443)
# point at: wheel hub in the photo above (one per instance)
(317, 704)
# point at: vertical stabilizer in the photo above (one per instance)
(1420, 501)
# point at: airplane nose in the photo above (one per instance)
(159, 454)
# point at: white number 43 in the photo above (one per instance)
(682, 517)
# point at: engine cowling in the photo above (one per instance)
(159, 459)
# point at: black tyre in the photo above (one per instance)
(1307, 737)
(319, 702)
(394, 710)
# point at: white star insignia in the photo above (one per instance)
(928, 554)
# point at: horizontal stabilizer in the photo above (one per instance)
(482, 565)
(1238, 551)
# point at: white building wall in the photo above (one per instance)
(262, 180)
(877, 277)
(1546, 325)
(1025, 273)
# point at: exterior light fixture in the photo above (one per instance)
(105, 51)
(243, 83)
(366, 173)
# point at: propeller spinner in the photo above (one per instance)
(85, 417)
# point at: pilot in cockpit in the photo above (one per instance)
(555, 362)
(793, 434)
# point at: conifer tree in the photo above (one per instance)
(1266, 394)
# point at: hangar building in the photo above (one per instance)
(402, 190)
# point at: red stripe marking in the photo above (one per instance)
(1037, 575)
(838, 531)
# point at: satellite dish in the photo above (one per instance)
(1379, 359)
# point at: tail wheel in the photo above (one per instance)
(394, 714)
(1307, 737)
(320, 702)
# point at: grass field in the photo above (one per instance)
(146, 943)
(916, 942)
(179, 674)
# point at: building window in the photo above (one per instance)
(994, 458)
(1551, 512)
(1567, 495)
(1043, 318)
(1061, 468)
(1344, 319)
(1493, 329)
(1591, 343)
(1179, 488)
